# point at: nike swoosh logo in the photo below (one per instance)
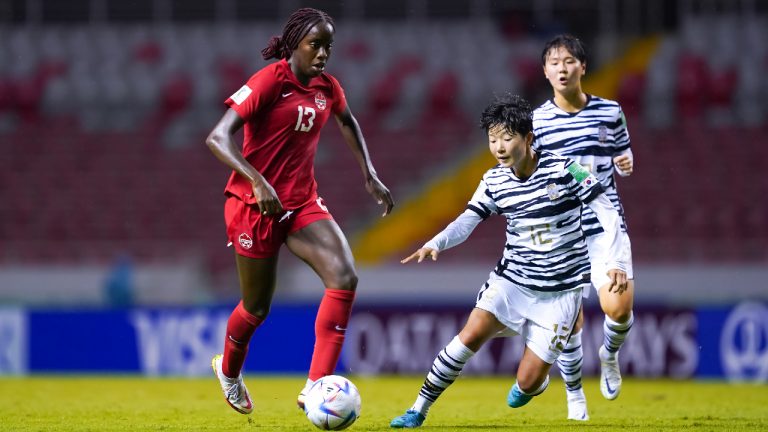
(286, 216)
(608, 386)
(287, 94)
(340, 328)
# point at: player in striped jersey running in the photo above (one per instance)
(593, 132)
(536, 288)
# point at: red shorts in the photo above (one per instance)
(258, 236)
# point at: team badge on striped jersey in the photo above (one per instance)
(553, 192)
(320, 101)
(602, 134)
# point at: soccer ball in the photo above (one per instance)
(332, 403)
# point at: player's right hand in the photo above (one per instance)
(420, 254)
(618, 281)
(266, 198)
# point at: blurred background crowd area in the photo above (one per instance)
(105, 106)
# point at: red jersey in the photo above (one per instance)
(283, 119)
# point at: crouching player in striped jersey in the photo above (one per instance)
(535, 291)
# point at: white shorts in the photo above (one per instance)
(544, 319)
(598, 257)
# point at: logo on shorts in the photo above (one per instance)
(552, 192)
(560, 338)
(320, 101)
(245, 241)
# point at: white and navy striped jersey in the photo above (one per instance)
(592, 137)
(545, 248)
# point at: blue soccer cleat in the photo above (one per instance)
(516, 398)
(411, 419)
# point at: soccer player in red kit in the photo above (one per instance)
(272, 193)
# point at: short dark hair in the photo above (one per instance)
(298, 25)
(571, 43)
(508, 110)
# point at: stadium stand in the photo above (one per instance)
(94, 118)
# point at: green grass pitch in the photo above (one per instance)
(95, 403)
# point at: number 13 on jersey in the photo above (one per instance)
(306, 119)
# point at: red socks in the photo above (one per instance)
(330, 326)
(240, 328)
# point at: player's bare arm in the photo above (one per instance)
(353, 136)
(222, 144)
(421, 254)
(618, 281)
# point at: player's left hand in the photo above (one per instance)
(420, 255)
(618, 281)
(624, 164)
(375, 187)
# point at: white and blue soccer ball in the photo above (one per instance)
(332, 403)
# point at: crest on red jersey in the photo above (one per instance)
(320, 101)
(245, 241)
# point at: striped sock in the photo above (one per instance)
(615, 333)
(445, 369)
(569, 363)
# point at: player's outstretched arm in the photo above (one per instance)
(421, 254)
(353, 136)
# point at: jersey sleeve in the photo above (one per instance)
(612, 241)
(478, 209)
(456, 232)
(583, 183)
(482, 203)
(339, 99)
(621, 134)
(260, 91)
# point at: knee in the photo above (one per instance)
(620, 314)
(345, 279)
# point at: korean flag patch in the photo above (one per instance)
(578, 172)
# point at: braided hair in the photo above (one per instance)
(298, 25)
